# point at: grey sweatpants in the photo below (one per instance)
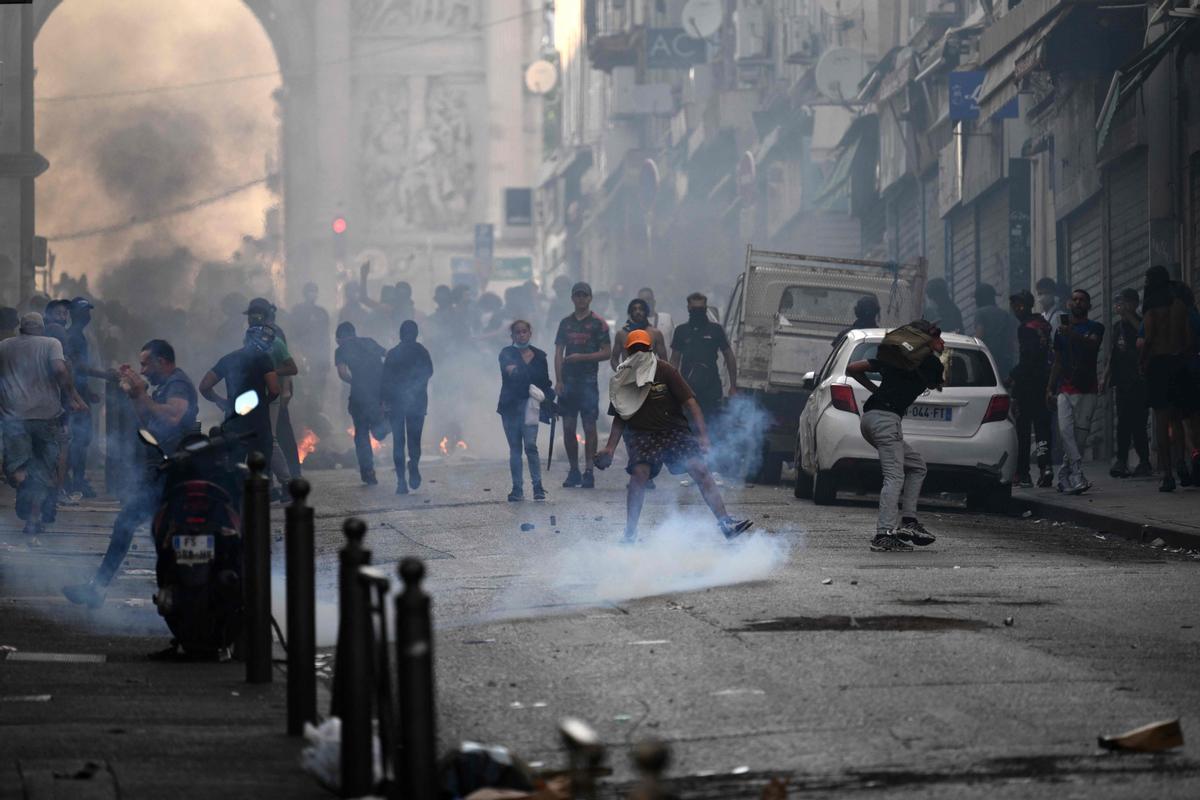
(903, 468)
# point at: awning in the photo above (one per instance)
(1127, 80)
(837, 185)
(1002, 82)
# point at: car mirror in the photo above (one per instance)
(245, 403)
(810, 380)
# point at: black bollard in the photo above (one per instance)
(301, 611)
(651, 758)
(256, 570)
(416, 770)
(585, 755)
(352, 681)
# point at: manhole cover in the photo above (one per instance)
(846, 623)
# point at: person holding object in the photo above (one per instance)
(902, 381)
(648, 398)
(1073, 389)
(526, 398)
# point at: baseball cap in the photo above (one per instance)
(259, 305)
(638, 337)
(581, 288)
(80, 303)
(32, 323)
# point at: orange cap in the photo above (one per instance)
(638, 337)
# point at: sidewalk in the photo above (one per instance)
(84, 714)
(1132, 508)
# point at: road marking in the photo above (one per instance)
(58, 658)
(651, 641)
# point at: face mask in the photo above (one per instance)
(697, 315)
(521, 345)
(1047, 301)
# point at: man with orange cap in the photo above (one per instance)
(648, 398)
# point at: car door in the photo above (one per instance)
(814, 408)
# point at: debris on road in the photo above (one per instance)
(1027, 514)
(1008, 622)
(622, 718)
(827, 581)
(527, 526)
(1152, 738)
(1158, 543)
(553, 520)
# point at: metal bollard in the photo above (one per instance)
(651, 758)
(301, 610)
(256, 570)
(352, 681)
(416, 756)
(585, 754)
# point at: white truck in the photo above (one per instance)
(783, 315)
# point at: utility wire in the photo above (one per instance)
(178, 87)
(133, 222)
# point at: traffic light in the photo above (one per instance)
(340, 226)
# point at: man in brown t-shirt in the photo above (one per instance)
(649, 412)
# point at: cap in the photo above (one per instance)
(32, 323)
(638, 337)
(259, 305)
(80, 303)
(581, 287)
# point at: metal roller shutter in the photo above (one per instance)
(908, 218)
(993, 242)
(962, 260)
(1128, 234)
(1085, 261)
(935, 230)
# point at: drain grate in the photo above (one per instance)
(847, 623)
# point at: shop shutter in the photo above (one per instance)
(1085, 270)
(1128, 235)
(993, 241)
(935, 230)
(962, 261)
(908, 219)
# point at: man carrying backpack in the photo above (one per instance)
(908, 364)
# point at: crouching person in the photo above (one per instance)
(648, 398)
(905, 375)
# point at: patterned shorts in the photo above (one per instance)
(673, 447)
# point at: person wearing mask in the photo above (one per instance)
(285, 460)
(903, 468)
(1027, 385)
(659, 320)
(1048, 305)
(77, 350)
(1073, 387)
(34, 380)
(866, 314)
(250, 368)
(1164, 355)
(1123, 374)
(404, 390)
(941, 308)
(694, 350)
(997, 328)
(582, 342)
(165, 402)
(526, 398)
(311, 326)
(639, 320)
(359, 362)
(650, 403)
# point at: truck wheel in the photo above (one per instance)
(771, 470)
(824, 493)
(995, 499)
(804, 484)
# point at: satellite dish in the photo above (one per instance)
(841, 8)
(541, 77)
(703, 18)
(839, 72)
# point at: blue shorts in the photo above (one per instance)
(580, 398)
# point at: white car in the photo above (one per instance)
(963, 432)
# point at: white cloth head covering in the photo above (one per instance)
(630, 384)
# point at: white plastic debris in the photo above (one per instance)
(1027, 514)
(827, 581)
(322, 757)
(1158, 543)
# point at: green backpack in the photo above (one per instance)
(907, 346)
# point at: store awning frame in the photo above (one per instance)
(1128, 80)
(1002, 79)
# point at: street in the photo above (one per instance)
(794, 651)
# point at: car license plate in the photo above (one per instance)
(932, 413)
(193, 549)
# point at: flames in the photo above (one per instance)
(444, 445)
(376, 445)
(307, 444)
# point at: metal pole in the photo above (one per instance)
(352, 682)
(256, 571)
(416, 773)
(301, 610)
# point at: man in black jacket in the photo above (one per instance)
(405, 395)
(359, 362)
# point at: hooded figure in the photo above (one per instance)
(404, 391)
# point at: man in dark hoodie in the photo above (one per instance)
(404, 390)
(359, 362)
(639, 320)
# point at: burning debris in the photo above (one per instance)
(307, 444)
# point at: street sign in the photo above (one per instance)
(964, 94)
(673, 48)
(485, 238)
(512, 268)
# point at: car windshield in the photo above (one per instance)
(964, 366)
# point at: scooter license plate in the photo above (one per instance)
(193, 549)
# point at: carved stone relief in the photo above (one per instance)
(389, 16)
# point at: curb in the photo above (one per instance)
(1125, 528)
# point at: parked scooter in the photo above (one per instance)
(198, 541)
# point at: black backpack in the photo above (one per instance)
(909, 345)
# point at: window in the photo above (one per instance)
(963, 367)
(817, 304)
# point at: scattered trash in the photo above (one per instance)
(553, 520)
(735, 692)
(644, 642)
(622, 718)
(1008, 622)
(854, 583)
(1152, 738)
(1101, 538)
(139, 572)
(516, 704)
(7, 648)
(1027, 514)
(1158, 543)
(236, 694)
(827, 581)
(527, 526)
(599, 518)
(540, 704)
(1058, 524)
(487, 490)
(739, 770)
(956, 566)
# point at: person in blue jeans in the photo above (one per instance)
(526, 397)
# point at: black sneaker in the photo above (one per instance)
(369, 478)
(1185, 477)
(1167, 485)
(1023, 481)
(1119, 469)
(414, 477)
(733, 528)
(84, 594)
(516, 495)
(573, 479)
(1046, 479)
(887, 542)
(401, 488)
(588, 481)
(1143, 470)
(538, 492)
(914, 532)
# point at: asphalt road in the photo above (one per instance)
(795, 651)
